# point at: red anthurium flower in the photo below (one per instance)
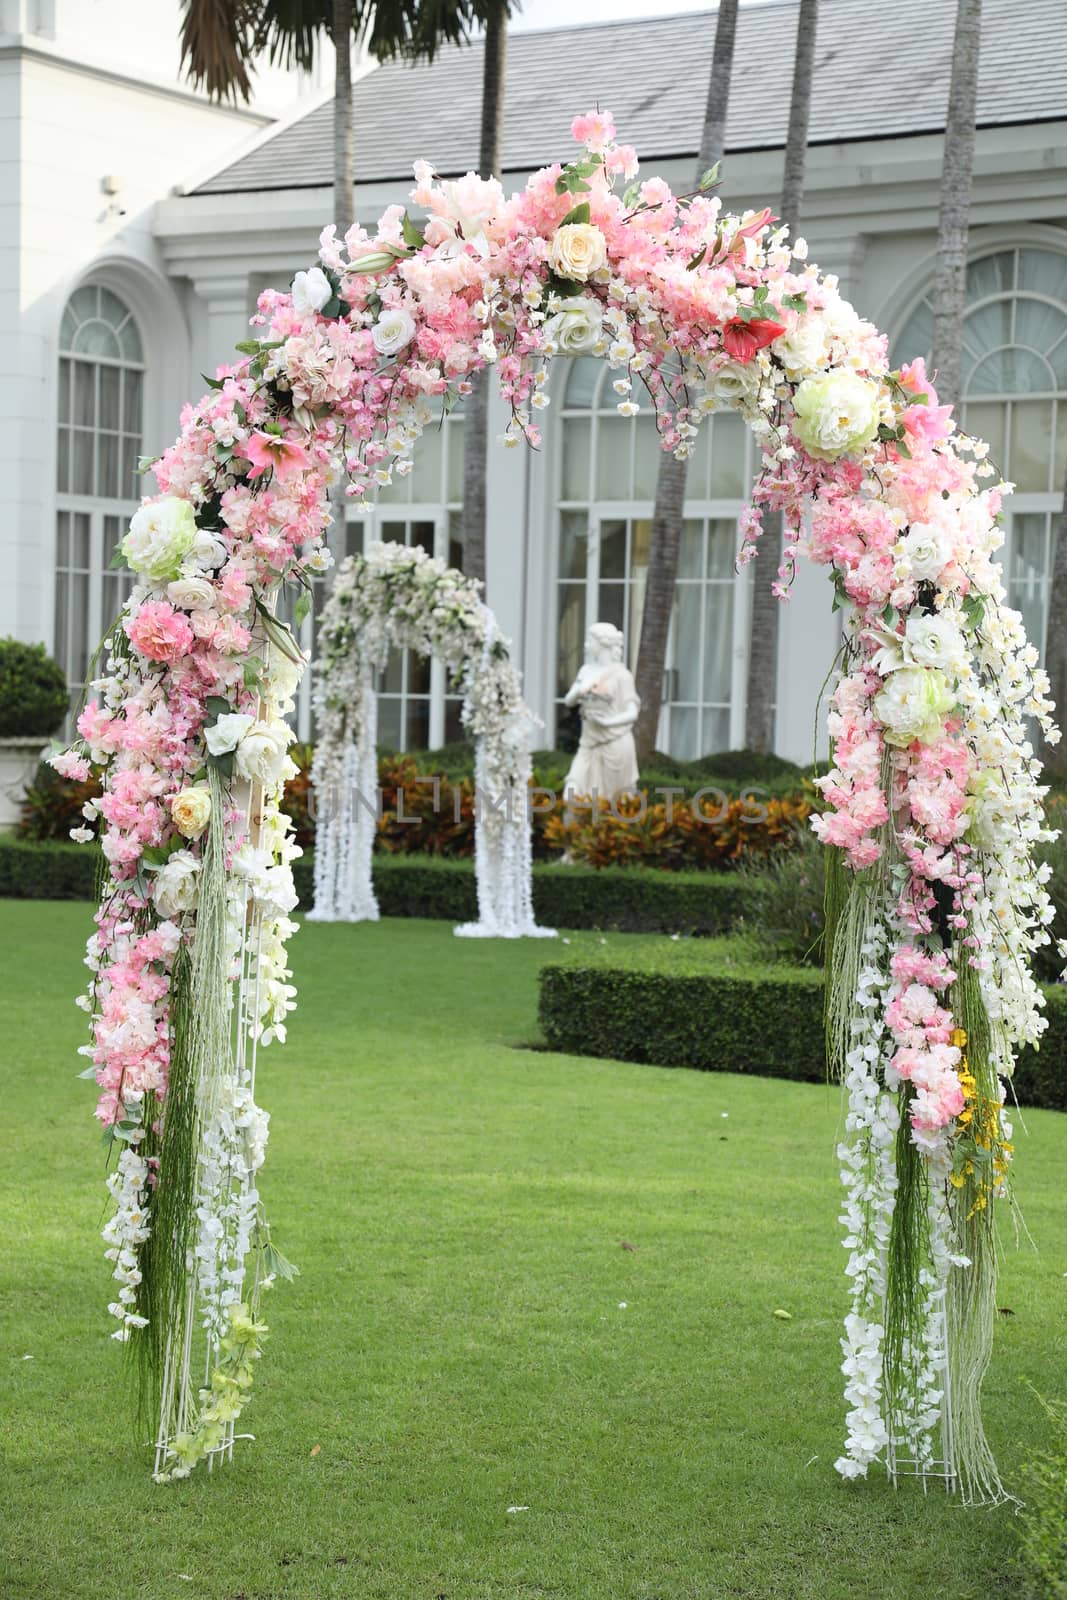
(742, 339)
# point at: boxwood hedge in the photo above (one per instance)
(762, 1021)
(618, 899)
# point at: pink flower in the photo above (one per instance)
(159, 632)
(270, 452)
(596, 130)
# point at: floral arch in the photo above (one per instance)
(932, 807)
(397, 596)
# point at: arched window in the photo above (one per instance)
(605, 494)
(1014, 376)
(101, 383)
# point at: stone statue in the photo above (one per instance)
(603, 691)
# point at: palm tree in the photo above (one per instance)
(669, 508)
(950, 283)
(763, 634)
(221, 39)
(476, 408)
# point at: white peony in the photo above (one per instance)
(207, 554)
(935, 641)
(261, 753)
(729, 383)
(393, 331)
(577, 250)
(576, 328)
(927, 550)
(177, 885)
(836, 414)
(311, 290)
(191, 594)
(160, 537)
(226, 733)
(190, 810)
(913, 705)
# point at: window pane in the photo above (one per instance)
(612, 549)
(685, 733)
(1029, 570)
(987, 328)
(422, 533)
(991, 275)
(425, 480)
(1038, 324)
(917, 337)
(986, 420)
(611, 605)
(647, 456)
(418, 673)
(81, 472)
(1031, 445)
(389, 723)
(454, 446)
(132, 387)
(108, 414)
(729, 479)
(63, 461)
(132, 482)
(570, 632)
(130, 340)
(79, 544)
(1044, 271)
(418, 725)
(640, 539)
(392, 678)
(455, 540)
(396, 493)
(722, 548)
(84, 394)
(63, 539)
(718, 642)
(573, 543)
(107, 464)
(614, 453)
(582, 381)
(1010, 372)
(454, 728)
(64, 390)
(691, 550)
(97, 339)
(576, 448)
(686, 642)
(79, 625)
(1060, 469)
(716, 732)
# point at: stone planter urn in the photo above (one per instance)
(19, 757)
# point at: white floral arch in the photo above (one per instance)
(933, 805)
(400, 597)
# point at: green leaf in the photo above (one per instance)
(631, 195)
(578, 213)
(253, 669)
(222, 764)
(795, 302)
(411, 233)
(332, 308)
(217, 707)
(301, 608)
(212, 383)
(248, 347)
(695, 261)
(710, 177)
(117, 560)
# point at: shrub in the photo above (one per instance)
(700, 835)
(33, 691)
(753, 1019)
(790, 921)
(1043, 1520)
(52, 805)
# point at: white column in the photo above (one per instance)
(227, 301)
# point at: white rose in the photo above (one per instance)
(927, 551)
(729, 383)
(206, 554)
(577, 250)
(190, 810)
(227, 732)
(177, 885)
(261, 752)
(191, 594)
(576, 328)
(160, 537)
(803, 349)
(311, 290)
(934, 641)
(393, 331)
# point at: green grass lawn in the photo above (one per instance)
(468, 1333)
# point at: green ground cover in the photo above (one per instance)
(469, 1333)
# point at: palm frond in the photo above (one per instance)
(218, 43)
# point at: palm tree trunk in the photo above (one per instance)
(476, 408)
(669, 510)
(763, 637)
(344, 147)
(1054, 756)
(950, 285)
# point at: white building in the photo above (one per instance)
(140, 222)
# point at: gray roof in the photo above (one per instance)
(881, 71)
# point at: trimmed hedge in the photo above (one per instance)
(767, 1022)
(618, 899)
